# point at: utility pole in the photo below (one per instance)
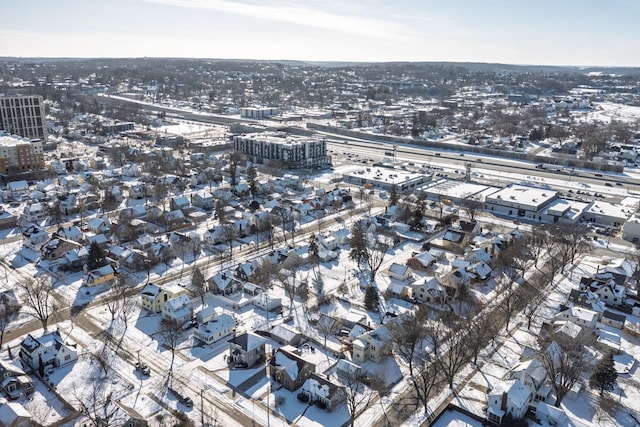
(201, 407)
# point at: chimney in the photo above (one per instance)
(503, 406)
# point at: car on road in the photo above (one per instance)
(619, 183)
(599, 174)
(608, 184)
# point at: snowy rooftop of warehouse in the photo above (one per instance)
(525, 195)
(457, 189)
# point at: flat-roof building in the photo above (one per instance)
(23, 116)
(384, 178)
(521, 201)
(279, 149)
(19, 155)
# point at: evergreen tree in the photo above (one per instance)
(604, 374)
(219, 212)
(393, 195)
(97, 257)
(252, 174)
(371, 298)
(358, 244)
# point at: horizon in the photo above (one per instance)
(573, 33)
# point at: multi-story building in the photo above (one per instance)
(19, 155)
(23, 116)
(283, 150)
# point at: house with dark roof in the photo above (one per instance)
(246, 350)
(289, 368)
(49, 350)
(322, 391)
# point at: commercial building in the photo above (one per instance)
(19, 155)
(385, 178)
(521, 201)
(258, 113)
(279, 149)
(23, 116)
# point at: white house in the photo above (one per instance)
(17, 189)
(399, 271)
(550, 415)
(49, 349)
(178, 309)
(578, 315)
(215, 329)
(34, 212)
(508, 397)
(35, 237)
(99, 225)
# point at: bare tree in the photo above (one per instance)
(408, 334)
(471, 206)
(171, 334)
(199, 284)
(96, 404)
(357, 394)
(114, 298)
(38, 298)
(327, 325)
(449, 349)
(564, 361)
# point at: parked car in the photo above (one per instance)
(185, 400)
(143, 368)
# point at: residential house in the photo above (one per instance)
(284, 334)
(99, 276)
(430, 291)
(203, 200)
(289, 368)
(131, 417)
(246, 350)
(224, 283)
(179, 203)
(330, 242)
(508, 397)
(7, 220)
(613, 319)
(608, 287)
(17, 189)
(13, 414)
(399, 290)
(533, 375)
(174, 220)
(550, 415)
(55, 248)
(153, 297)
(99, 239)
(71, 232)
(246, 270)
(8, 301)
(266, 302)
(13, 380)
(99, 225)
(178, 309)
(49, 350)
(33, 212)
(34, 237)
(373, 345)
(578, 315)
(322, 391)
(74, 260)
(215, 328)
(421, 261)
(399, 271)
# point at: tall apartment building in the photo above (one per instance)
(282, 150)
(19, 155)
(23, 116)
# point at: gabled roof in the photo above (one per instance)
(248, 341)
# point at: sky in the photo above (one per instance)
(536, 32)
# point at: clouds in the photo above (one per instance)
(299, 13)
